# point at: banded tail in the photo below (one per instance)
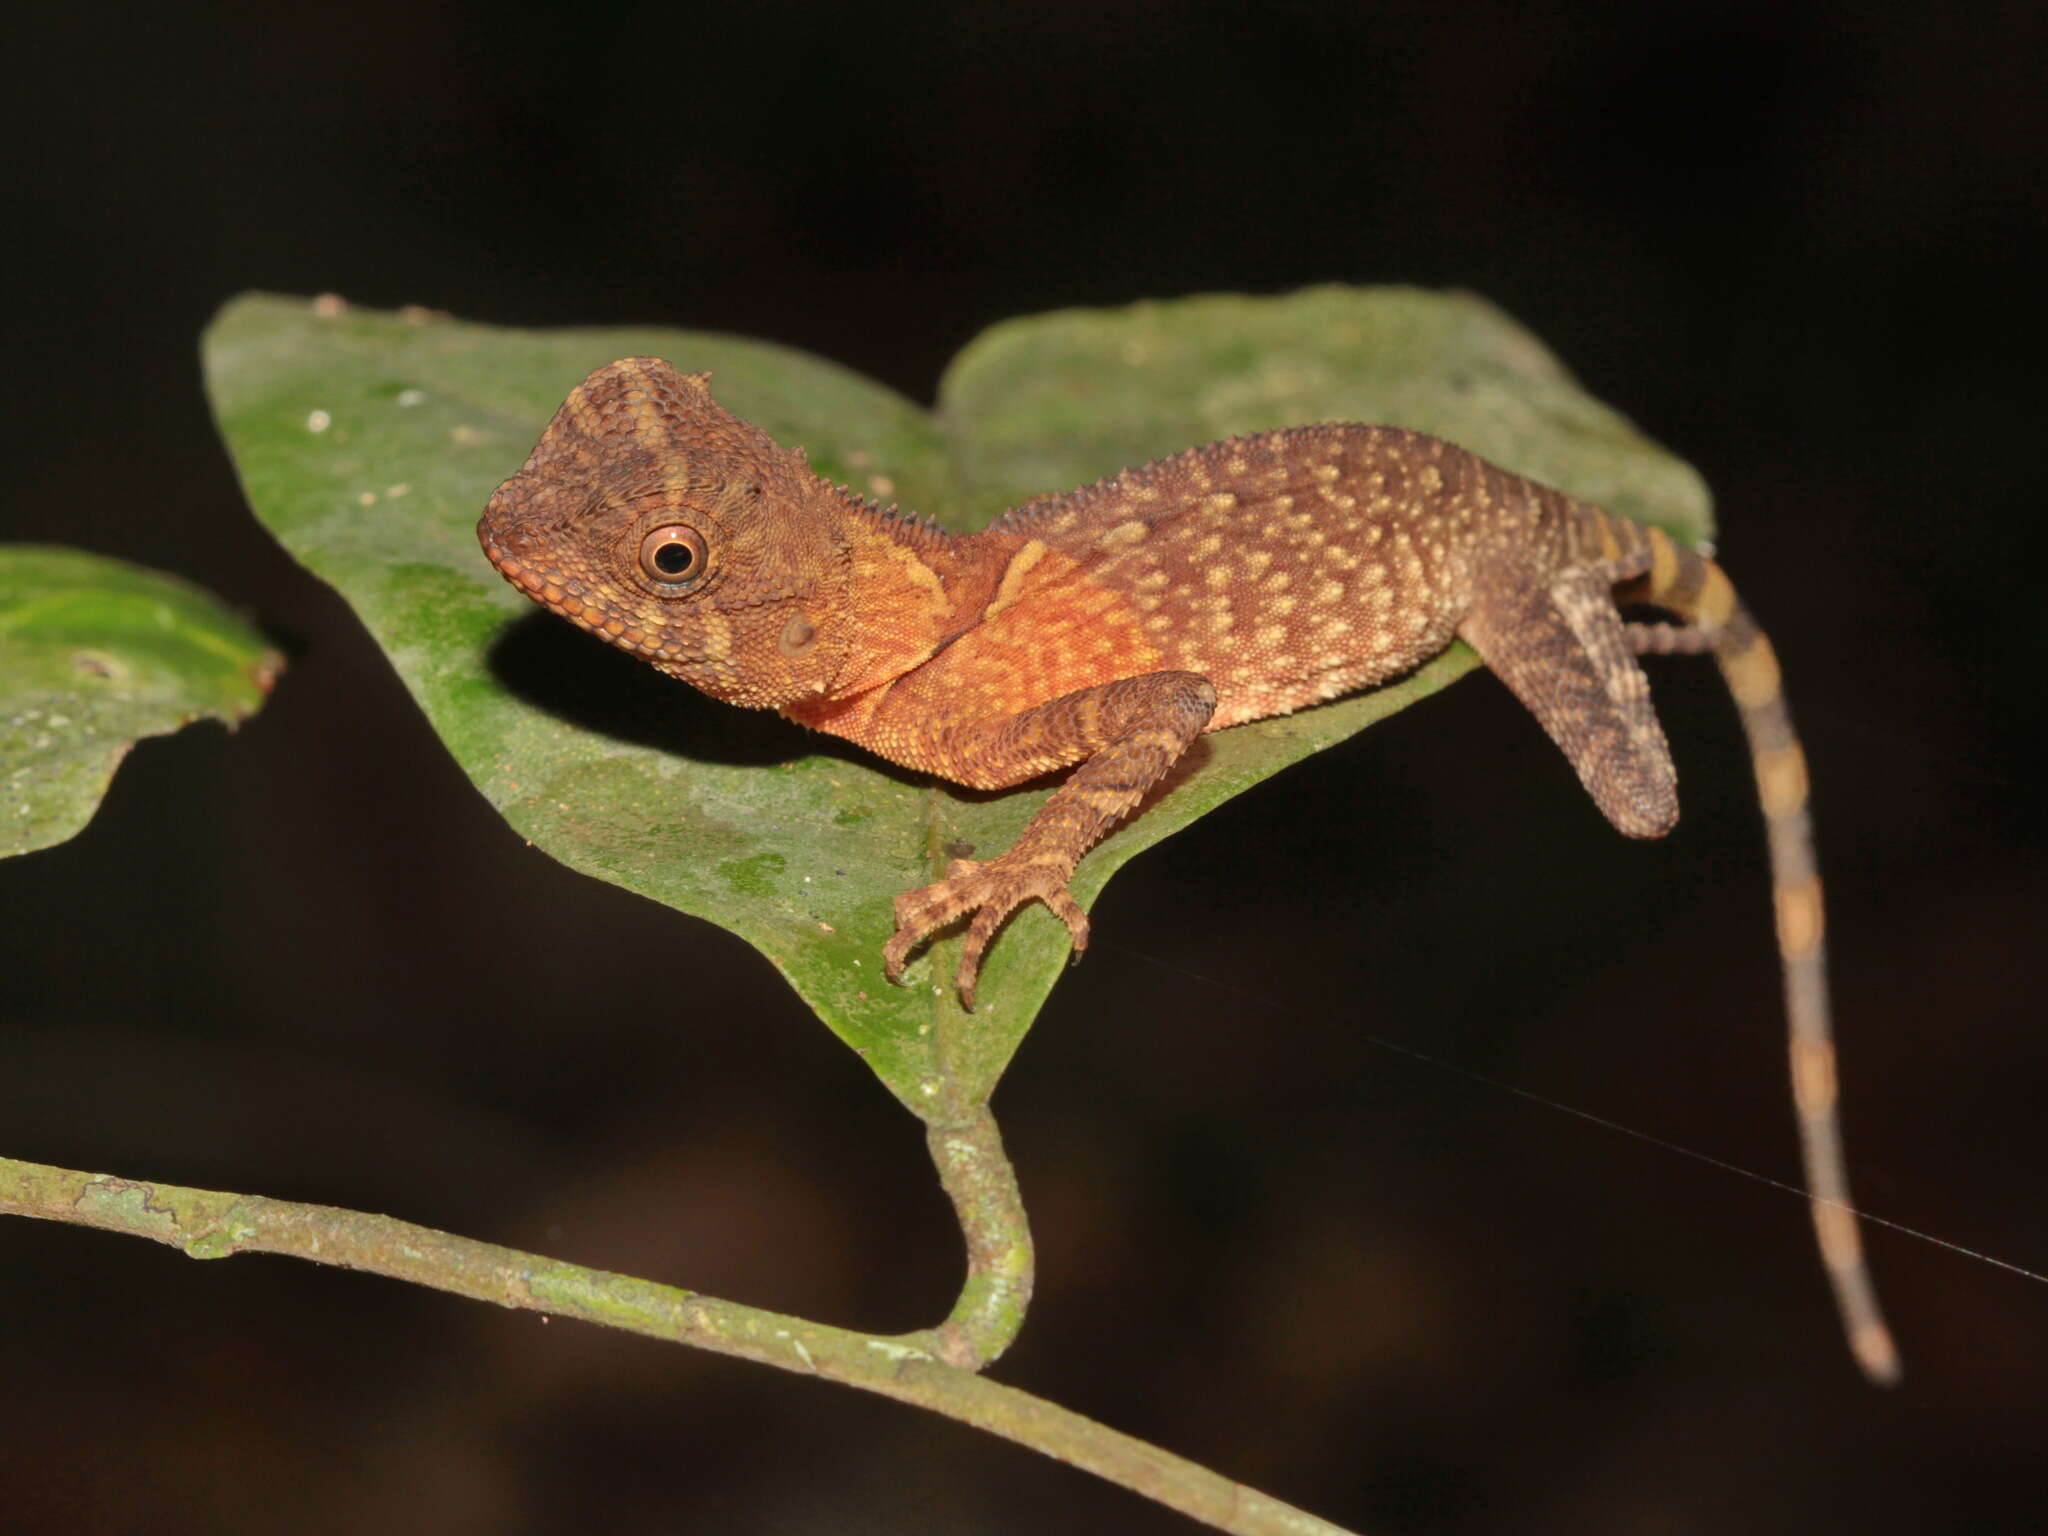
(1694, 589)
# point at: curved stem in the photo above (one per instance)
(979, 1180)
(206, 1224)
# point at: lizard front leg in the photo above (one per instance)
(1125, 735)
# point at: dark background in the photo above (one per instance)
(1796, 242)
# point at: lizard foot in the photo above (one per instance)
(991, 890)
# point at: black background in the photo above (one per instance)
(1797, 242)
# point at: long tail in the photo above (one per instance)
(1694, 589)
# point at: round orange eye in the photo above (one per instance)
(673, 554)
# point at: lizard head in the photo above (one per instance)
(664, 524)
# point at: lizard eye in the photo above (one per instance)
(673, 554)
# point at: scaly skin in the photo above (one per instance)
(1106, 628)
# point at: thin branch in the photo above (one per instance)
(206, 1224)
(979, 1180)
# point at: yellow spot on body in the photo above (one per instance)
(1271, 634)
(1207, 545)
(1124, 535)
(1663, 562)
(1781, 776)
(1800, 917)
(1217, 577)
(1255, 563)
(1281, 606)
(1151, 581)
(1813, 1077)
(675, 478)
(1238, 467)
(1873, 1345)
(1840, 1248)
(647, 421)
(1012, 585)
(1330, 592)
(1431, 479)
(1327, 472)
(1716, 599)
(1753, 675)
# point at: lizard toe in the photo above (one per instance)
(990, 892)
(1068, 911)
(922, 912)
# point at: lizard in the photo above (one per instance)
(1104, 629)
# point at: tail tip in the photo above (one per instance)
(1877, 1354)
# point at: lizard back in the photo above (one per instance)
(1292, 567)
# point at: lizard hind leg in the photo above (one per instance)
(1561, 650)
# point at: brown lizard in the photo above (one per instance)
(1110, 626)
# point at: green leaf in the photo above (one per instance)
(94, 655)
(369, 443)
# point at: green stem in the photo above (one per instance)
(206, 1224)
(982, 1185)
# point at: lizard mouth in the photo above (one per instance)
(541, 585)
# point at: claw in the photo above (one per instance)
(922, 912)
(991, 892)
(1068, 911)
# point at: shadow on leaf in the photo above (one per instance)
(583, 682)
